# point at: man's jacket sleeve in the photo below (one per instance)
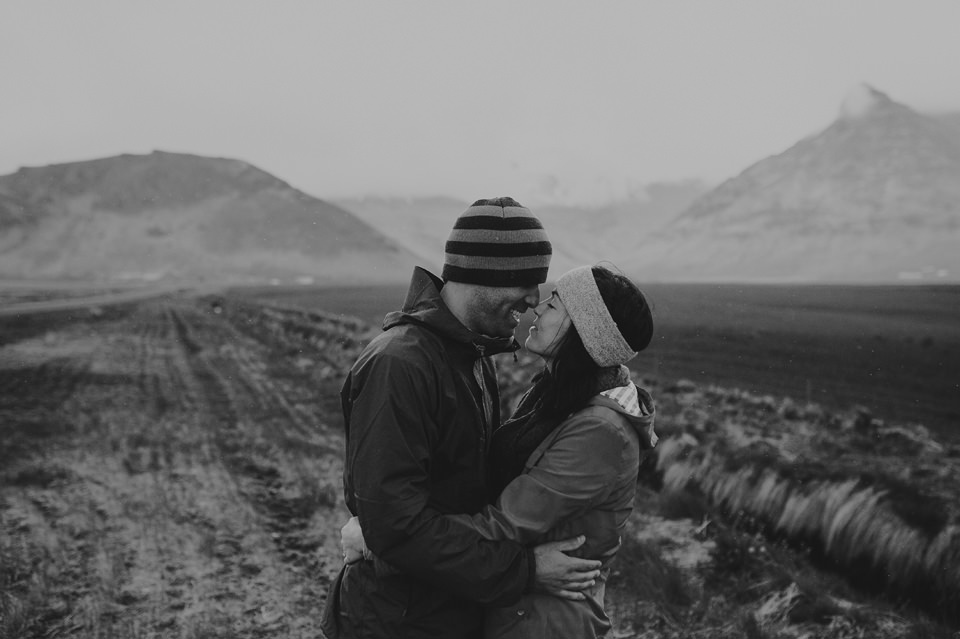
(391, 436)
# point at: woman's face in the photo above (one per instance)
(549, 328)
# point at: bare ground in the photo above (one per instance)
(172, 469)
(165, 474)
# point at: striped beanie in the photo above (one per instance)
(499, 243)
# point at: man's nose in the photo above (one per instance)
(532, 298)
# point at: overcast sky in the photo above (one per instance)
(542, 100)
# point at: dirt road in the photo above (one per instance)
(163, 472)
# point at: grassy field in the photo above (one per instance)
(171, 468)
(892, 349)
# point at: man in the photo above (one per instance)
(420, 405)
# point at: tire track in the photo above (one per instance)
(190, 497)
(227, 378)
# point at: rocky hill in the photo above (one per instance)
(875, 197)
(182, 217)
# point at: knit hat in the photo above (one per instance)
(499, 243)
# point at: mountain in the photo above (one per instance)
(615, 232)
(875, 197)
(421, 224)
(580, 235)
(182, 217)
(951, 119)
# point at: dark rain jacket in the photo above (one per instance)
(419, 406)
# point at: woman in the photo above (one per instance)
(566, 462)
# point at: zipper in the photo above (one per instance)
(486, 400)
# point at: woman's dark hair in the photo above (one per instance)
(627, 305)
(573, 376)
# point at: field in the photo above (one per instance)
(171, 467)
(153, 458)
(894, 350)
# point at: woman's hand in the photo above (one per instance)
(352, 543)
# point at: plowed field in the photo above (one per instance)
(172, 468)
(166, 473)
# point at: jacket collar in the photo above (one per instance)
(616, 391)
(425, 306)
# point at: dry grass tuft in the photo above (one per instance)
(642, 571)
(873, 528)
(22, 589)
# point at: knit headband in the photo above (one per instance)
(580, 296)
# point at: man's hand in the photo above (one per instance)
(563, 576)
(352, 543)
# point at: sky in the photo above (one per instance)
(544, 100)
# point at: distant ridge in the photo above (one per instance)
(951, 119)
(875, 197)
(579, 234)
(179, 216)
(421, 224)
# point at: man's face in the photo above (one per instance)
(496, 311)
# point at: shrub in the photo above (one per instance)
(640, 575)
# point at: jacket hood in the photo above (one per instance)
(426, 307)
(634, 403)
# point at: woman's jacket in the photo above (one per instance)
(580, 480)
